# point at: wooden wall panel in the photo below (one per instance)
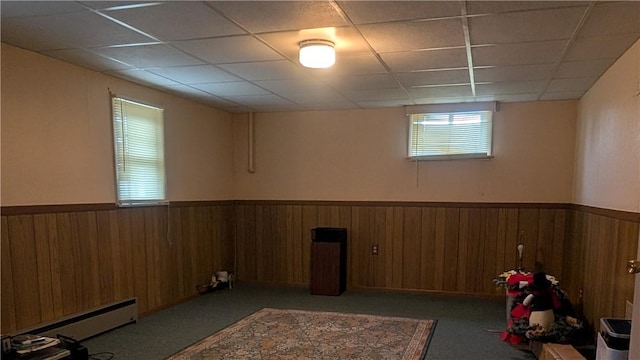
(68, 253)
(397, 241)
(43, 270)
(489, 266)
(596, 248)
(439, 250)
(623, 283)
(62, 263)
(24, 267)
(106, 259)
(8, 308)
(428, 249)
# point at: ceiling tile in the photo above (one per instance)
(360, 82)
(200, 96)
(264, 100)
(611, 18)
(338, 105)
(354, 65)
(439, 77)
(593, 68)
(518, 54)
(602, 47)
(498, 7)
(515, 98)
(378, 104)
(302, 92)
(230, 49)
(236, 88)
(186, 89)
(280, 108)
(414, 35)
(78, 29)
(143, 77)
(87, 59)
(359, 96)
(10, 9)
(425, 60)
(363, 12)
(566, 95)
(514, 73)
(511, 88)
(177, 20)
(573, 84)
(264, 70)
(537, 25)
(148, 56)
(196, 74)
(267, 16)
(441, 91)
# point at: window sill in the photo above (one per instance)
(450, 157)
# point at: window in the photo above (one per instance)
(138, 132)
(450, 135)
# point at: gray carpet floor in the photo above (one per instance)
(465, 329)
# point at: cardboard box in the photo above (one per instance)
(551, 351)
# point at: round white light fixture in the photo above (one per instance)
(317, 54)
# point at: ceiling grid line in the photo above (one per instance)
(467, 43)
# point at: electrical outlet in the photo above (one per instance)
(374, 249)
(628, 310)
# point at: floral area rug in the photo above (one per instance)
(295, 334)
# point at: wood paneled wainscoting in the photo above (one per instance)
(598, 245)
(61, 260)
(451, 247)
(447, 247)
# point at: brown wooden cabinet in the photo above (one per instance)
(328, 261)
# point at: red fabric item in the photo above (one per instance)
(504, 336)
(521, 311)
(511, 338)
(514, 282)
(516, 278)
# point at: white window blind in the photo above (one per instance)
(139, 152)
(450, 135)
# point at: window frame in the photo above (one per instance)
(159, 137)
(451, 110)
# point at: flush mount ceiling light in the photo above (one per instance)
(317, 54)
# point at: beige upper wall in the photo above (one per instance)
(608, 138)
(56, 148)
(360, 155)
(57, 142)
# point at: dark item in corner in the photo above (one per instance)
(207, 288)
(78, 351)
(67, 349)
(219, 280)
(328, 261)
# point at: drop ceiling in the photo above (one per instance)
(242, 55)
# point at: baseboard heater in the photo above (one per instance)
(91, 323)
